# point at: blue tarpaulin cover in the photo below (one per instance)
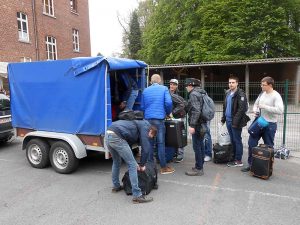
(64, 95)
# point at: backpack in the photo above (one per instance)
(131, 115)
(208, 108)
(179, 105)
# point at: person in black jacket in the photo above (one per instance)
(234, 114)
(197, 127)
(118, 138)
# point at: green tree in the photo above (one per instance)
(192, 30)
(134, 36)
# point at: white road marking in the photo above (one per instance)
(233, 190)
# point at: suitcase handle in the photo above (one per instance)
(264, 146)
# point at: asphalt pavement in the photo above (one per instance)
(30, 196)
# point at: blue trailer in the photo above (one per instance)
(62, 108)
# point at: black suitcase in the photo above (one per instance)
(262, 161)
(147, 180)
(176, 135)
(222, 154)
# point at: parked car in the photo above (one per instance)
(6, 129)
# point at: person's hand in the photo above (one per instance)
(191, 130)
(122, 105)
(141, 168)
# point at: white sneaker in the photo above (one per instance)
(207, 158)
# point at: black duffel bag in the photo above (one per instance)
(147, 180)
(131, 115)
(222, 153)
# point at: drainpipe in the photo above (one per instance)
(36, 38)
(247, 81)
(202, 78)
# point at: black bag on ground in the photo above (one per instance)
(262, 161)
(131, 115)
(147, 180)
(176, 135)
(222, 153)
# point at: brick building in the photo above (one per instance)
(32, 30)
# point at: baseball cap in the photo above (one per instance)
(192, 82)
(175, 81)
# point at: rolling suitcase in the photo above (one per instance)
(222, 153)
(176, 135)
(262, 161)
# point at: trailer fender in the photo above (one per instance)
(75, 143)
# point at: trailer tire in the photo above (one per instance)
(37, 153)
(62, 158)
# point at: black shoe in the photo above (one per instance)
(246, 169)
(117, 189)
(142, 199)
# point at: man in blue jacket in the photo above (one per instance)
(156, 104)
(118, 138)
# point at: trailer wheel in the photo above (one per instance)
(37, 153)
(62, 157)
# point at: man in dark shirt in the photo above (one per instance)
(118, 138)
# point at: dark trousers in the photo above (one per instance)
(268, 135)
(236, 141)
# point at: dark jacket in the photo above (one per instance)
(239, 108)
(194, 106)
(134, 131)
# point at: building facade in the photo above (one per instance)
(34, 30)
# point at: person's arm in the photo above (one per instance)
(242, 102)
(145, 144)
(195, 110)
(168, 102)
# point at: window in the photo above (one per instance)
(22, 26)
(51, 48)
(75, 40)
(25, 59)
(73, 4)
(48, 7)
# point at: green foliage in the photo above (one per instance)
(193, 30)
(134, 36)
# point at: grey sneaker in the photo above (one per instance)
(178, 159)
(117, 189)
(246, 169)
(194, 172)
(142, 199)
(235, 164)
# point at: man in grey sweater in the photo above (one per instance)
(269, 105)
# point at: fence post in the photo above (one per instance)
(286, 89)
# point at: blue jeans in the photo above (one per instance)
(131, 99)
(207, 141)
(268, 135)
(119, 150)
(198, 146)
(236, 141)
(159, 141)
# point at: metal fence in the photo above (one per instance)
(288, 126)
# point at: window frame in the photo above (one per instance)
(26, 59)
(75, 36)
(73, 5)
(51, 48)
(22, 32)
(49, 8)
